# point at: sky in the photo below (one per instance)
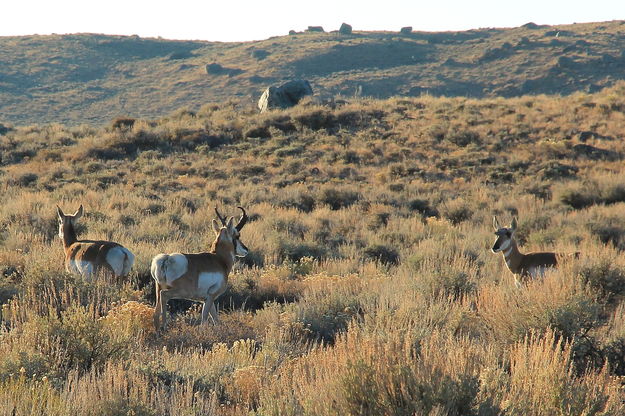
(244, 20)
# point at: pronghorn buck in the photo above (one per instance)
(201, 276)
(523, 266)
(87, 258)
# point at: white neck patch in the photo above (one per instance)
(505, 245)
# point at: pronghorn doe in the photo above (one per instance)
(522, 266)
(87, 258)
(201, 276)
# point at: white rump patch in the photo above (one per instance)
(120, 259)
(82, 268)
(166, 268)
(209, 282)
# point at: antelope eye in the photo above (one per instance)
(508, 234)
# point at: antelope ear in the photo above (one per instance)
(79, 212)
(59, 213)
(216, 227)
(514, 224)
(496, 223)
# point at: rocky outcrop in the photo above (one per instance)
(345, 29)
(284, 96)
(406, 30)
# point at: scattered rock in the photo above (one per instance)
(284, 96)
(406, 30)
(595, 153)
(292, 32)
(345, 29)
(315, 29)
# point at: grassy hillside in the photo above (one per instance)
(370, 288)
(76, 79)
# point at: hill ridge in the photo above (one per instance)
(92, 78)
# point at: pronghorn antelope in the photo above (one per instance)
(201, 276)
(87, 257)
(521, 265)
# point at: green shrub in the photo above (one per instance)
(296, 251)
(75, 340)
(337, 198)
(378, 220)
(457, 211)
(423, 207)
(605, 278)
(316, 119)
(576, 198)
(557, 170)
(382, 254)
(463, 138)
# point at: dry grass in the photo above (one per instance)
(369, 288)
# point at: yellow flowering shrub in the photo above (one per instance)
(132, 317)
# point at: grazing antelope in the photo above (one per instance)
(201, 276)
(87, 258)
(521, 265)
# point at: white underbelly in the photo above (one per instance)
(210, 283)
(81, 267)
(538, 271)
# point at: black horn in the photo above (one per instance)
(222, 219)
(243, 219)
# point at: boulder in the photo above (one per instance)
(284, 96)
(315, 29)
(406, 30)
(345, 29)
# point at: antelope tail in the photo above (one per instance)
(159, 269)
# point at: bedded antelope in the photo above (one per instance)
(521, 265)
(87, 258)
(200, 277)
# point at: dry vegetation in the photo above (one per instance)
(369, 288)
(73, 78)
